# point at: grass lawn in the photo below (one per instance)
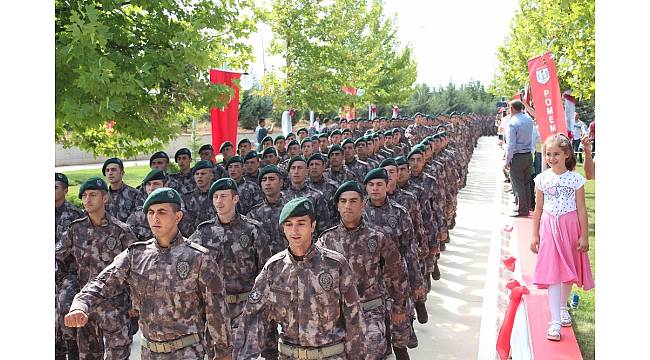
(584, 315)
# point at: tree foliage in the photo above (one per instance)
(129, 73)
(470, 97)
(329, 45)
(252, 107)
(567, 29)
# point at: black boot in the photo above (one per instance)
(271, 355)
(388, 339)
(436, 272)
(421, 311)
(401, 353)
(443, 246)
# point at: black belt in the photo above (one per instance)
(525, 153)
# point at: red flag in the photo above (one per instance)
(350, 90)
(224, 120)
(546, 92)
(503, 340)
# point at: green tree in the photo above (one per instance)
(470, 97)
(141, 67)
(567, 29)
(253, 107)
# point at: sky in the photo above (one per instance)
(452, 40)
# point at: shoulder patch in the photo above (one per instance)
(197, 247)
(328, 230)
(206, 223)
(252, 221)
(276, 257)
(81, 219)
(142, 243)
(331, 254)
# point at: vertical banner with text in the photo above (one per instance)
(224, 120)
(545, 88)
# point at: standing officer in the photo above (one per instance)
(268, 211)
(310, 292)
(239, 244)
(160, 160)
(337, 170)
(244, 146)
(251, 166)
(250, 192)
(185, 179)
(64, 213)
(89, 245)
(359, 168)
(198, 203)
(316, 164)
(122, 198)
(280, 143)
(376, 263)
(175, 284)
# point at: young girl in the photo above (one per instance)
(560, 231)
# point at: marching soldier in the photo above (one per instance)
(359, 168)
(250, 192)
(251, 165)
(337, 170)
(316, 164)
(170, 279)
(268, 211)
(310, 292)
(376, 263)
(280, 145)
(244, 146)
(122, 198)
(185, 180)
(198, 203)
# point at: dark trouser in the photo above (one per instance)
(537, 169)
(576, 149)
(520, 177)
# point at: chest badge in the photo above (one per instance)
(111, 243)
(244, 241)
(325, 281)
(255, 296)
(372, 244)
(392, 221)
(183, 269)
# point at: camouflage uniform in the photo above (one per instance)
(359, 168)
(219, 171)
(252, 177)
(340, 177)
(415, 133)
(314, 300)
(91, 248)
(395, 222)
(178, 291)
(199, 208)
(122, 202)
(63, 216)
(410, 202)
(377, 264)
(268, 214)
(185, 183)
(323, 217)
(250, 194)
(241, 248)
(328, 188)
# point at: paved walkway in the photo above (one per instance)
(462, 305)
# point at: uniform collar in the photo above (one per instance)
(313, 251)
(177, 240)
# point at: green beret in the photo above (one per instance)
(269, 150)
(346, 131)
(292, 143)
(206, 147)
(348, 186)
(305, 140)
(388, 162)
(302, 129)
(425, 141)
(158, 155)
(334, 148)
(278, 138)
(375, 135)
(61, 177)
(182, 151)
(234, 159)
(93, 183)
(317, 156)
(435, 136)
(347, 141)
(294, 159)
(297, 207)
(417, 149)
(155, 174)
(243, 141)
(452, 114)
(112, 161)
(360, 140)
(267, 170)
(376, 173)
(443, 134)
(162, 195)
(401, 160)
(225, 183)
(202, 164)
(323, 135)
(251, 155)
(224, 146)
(335, 132)
(314, 138)
(291, 134)
(267, 138)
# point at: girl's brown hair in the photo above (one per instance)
(562, 141)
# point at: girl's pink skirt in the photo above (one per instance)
(558, 259)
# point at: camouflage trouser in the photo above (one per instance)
(106, 335)
(66, 338)
(193, 352)
(401, 334)
(376, 336)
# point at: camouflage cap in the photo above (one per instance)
(201, 164)
(94, 183)
(162, 195)
(388, 162)
(222, 184)
(233, 159)
(334, 148)
(300, 206)
(294, 159)
(376, 173)
(348, 186)
(158, 155)
(251, 155)
(61, 177)
(224, 146)
(267, 170)
(112, 161)
(155, 174)
(401, 160)
(182, 151)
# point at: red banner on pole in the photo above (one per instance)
(224, 120)
(547, 96)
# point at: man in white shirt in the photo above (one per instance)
(579, 130)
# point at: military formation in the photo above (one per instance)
(313, 247)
